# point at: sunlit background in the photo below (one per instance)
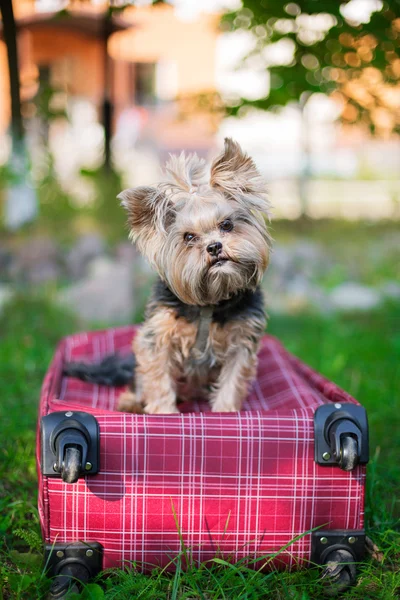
(107, 91)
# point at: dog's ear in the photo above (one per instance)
(235, 173)
(149, 214)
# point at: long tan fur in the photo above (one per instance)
(174, 225)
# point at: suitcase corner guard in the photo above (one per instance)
(71, 565)
(341, 435)
(70, 445)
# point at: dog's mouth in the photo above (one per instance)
(218, 261)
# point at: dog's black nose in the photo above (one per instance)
(214, 249)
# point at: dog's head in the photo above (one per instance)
(206, 238)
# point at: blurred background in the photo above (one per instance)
(93, 98)
(95, 95)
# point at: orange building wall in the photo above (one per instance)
(76, 65)
(77, 60)
(160, 35)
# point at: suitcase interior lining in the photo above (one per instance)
(282, 382)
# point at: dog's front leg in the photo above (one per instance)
(232, 386)
(155, 386)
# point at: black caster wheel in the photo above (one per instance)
(70, 566)
(62, 588)
(349, 455)
(341, 436)
(339, 572)
(72, 465)
(68, 581)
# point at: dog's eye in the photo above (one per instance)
(226, 225)
(189, 237)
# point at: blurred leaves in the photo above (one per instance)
(62, 212)
(31, 538)
(329, 52)
(50, 103)
(106, 211)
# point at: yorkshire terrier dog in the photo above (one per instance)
(207, 239)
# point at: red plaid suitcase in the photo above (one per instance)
(238, 484)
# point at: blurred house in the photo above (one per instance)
(140, 62)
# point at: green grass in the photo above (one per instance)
(364, 251)
(360, 352)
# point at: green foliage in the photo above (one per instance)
(45, 104)
(363, 252)
(328, 50)
(106, 210)
(31, 538)
(61, 214)
(91, 591)
(8, 176)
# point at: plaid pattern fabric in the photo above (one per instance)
(234, 484)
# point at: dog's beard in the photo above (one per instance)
(227, 278)
(210, 282)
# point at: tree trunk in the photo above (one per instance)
(107, 99)
(10, 38)
(20, 197)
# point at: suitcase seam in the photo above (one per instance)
(55, 372)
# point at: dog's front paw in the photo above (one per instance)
(224, 405)
(128, 402)
(160, 409)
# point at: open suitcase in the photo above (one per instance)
(230, 484)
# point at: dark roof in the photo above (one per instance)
(88, 23)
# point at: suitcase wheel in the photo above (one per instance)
(339, 572)
(68, 581)
(70, 566)
(63, 590)
(341, 435)
(72, 465)
(70, 445)
(348, 455)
